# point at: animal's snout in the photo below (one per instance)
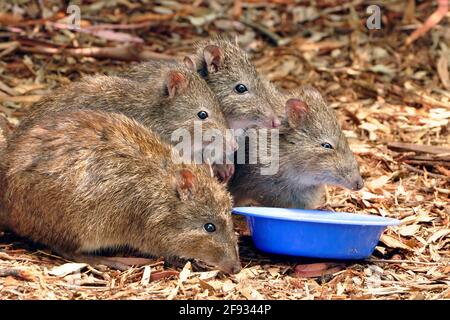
(235, 269)
(230, 265)
(358, 184)
(276, 122)
(271, 122)
(231, 268)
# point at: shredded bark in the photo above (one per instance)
(393, 102)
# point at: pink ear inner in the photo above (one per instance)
(187, 179)
(186, 182)
(296, 109)
(213, 57)
(176, 82)
(189, 62)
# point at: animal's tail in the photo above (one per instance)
(5, 130)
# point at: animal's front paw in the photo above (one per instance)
(223, 172)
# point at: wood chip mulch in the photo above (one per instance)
(393, 102)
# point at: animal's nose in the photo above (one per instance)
(276, 122)
(235, 269)
(359, 183)
(231, 267)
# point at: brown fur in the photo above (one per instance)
(86, 180)
(223, 67)
(305, 166)
(5, 131)
(154, 103)
(223, 64)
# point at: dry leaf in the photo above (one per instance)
(155, 276)
(11, 282)
(378, 183)
(274, 271)
(397, 101)
(407, 231)
(438, 234)
(228, 286)
(17, 273)
(317, 269)
(206, 286)
(216, 284)
(250, 293)
(208, 275)
(6, 19)
(442, 69)
(23, 99)
(66, 269)
(184, 274)
(393, 243)
(246, 273)
(133, 261)
(146, 275)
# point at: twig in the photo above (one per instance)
(5, 256)
(129, 26)
(345, 6)
(8, 47)
(16, 273)
(433, 20)
(418, 148)
(404, 261)
(430, 162)
(34, 22)
(435, 175)
(21, 99)
(99, 32)
(237, 9)
(7, 89)
(273, 37)
(126, 53)
(424, 99)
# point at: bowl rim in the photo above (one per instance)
(315, 216)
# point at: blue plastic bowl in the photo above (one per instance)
(314, 233)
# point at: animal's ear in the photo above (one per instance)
(176, 82)
(296, 110)
(185, 184)
(213, 56)
(190, 63)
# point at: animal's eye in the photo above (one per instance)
(327, 145)
(202, 115)
(240, 88)
(209, 227)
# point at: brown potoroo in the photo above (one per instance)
(313, 152)
(86, 180)
(174, 98)
(245, 97)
